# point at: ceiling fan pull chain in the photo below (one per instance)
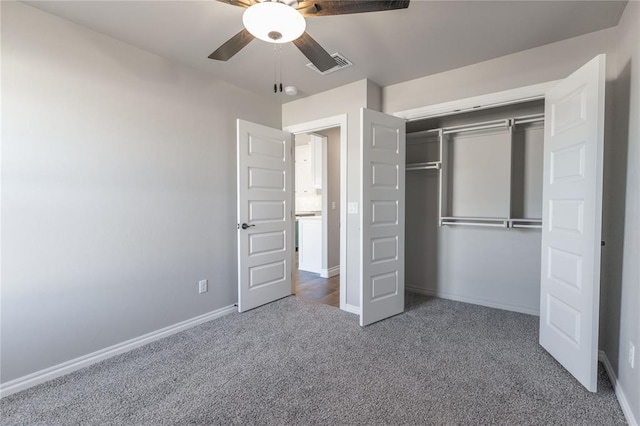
(280, 60)
(275, 68)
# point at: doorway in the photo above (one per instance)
(320, 209)
(317, 216)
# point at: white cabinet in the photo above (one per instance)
(310, 159)
(310, 164)
(317, 144)
(303, 170)
(310, 243)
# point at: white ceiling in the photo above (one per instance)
(386, 47)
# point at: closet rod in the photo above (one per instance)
(421, 133)
(467, 218)
(528, 120)
(448, 131)
(524, 117)
(481, 126)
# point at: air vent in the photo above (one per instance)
(340, 60)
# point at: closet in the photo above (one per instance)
(474, 206)
(498, 206)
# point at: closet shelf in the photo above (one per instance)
(484, 125)
(433, 165)
(526, 223)
(492, 222)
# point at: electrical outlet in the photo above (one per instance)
(632, 354)
(202, 286)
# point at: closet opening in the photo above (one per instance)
(474, 206)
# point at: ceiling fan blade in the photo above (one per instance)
(342, 7)
(314, 52)
(240, 3)
(232, 46)
(307, 8)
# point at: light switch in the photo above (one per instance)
(352, 208)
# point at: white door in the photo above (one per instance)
(572, 205)
(265, 203)
(382, 216)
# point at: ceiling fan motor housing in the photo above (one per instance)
(274, 22)
(274, 35)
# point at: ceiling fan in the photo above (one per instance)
(282, 21)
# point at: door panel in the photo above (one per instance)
(265, 200)
(572, 206)
(382, 216)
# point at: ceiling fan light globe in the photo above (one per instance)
(274, 18)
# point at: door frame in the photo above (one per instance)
(317, 126)
(477, 103)
(324, 265)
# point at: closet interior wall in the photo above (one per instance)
(493, 173)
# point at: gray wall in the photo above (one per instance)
(333, 195)
(118, 187)
(546, 63)
(621, 294)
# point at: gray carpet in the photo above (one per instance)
(296, 362)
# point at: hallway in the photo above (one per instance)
(311, 286)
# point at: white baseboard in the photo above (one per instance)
(351, 308)
(309, 268)
(331, 272)
(472, 300)
(67, 367)
(622, 399)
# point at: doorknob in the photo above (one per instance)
(245, 226)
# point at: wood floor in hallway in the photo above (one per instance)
(312, 286)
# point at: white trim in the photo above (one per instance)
(330, 272)
(491, 100)
(309, 268)
(67, 367)
(325, 204)
(622, 399)
(351, 308)
(472, 300)
(319, 125)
